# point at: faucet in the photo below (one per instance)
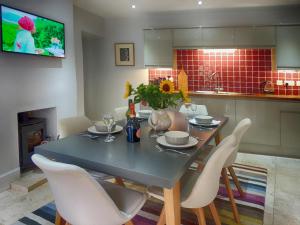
(215, 76)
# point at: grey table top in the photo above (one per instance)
(140, 162)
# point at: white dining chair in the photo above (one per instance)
(238, 132)
(120, 113)
(199, 189)
(80, 200)
(73, 125)
(198, 110)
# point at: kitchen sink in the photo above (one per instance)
(206, 92)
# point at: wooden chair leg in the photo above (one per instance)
(236, 181)
(58, 219)
(129, 223)
(67, 223)
(200, 216)
(119, 181)
(162, 217)
(214, 213)
(230, 195)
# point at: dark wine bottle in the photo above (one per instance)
(133, 128)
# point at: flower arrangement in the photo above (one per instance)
(157, 97)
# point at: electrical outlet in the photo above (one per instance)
(298, 83)
(279, 82)
(290, 83)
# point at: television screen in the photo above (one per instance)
(30, 34)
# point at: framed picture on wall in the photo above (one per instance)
(124, 54)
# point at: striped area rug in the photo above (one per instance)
(251, 207)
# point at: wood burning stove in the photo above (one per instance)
(32, 132)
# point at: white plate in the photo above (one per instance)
(162, 141)
(214, 123)
(93, 130)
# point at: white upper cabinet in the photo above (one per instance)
(255, 36)
(218, 37)
(158, 48)
(187, 37)
(288, 47)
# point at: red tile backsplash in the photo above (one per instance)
(239, 70)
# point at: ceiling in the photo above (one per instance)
(117, 8)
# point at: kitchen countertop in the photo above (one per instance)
(248, 96)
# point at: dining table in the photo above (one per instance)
(139, 162)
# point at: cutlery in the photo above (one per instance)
(89, 136)
(157, 135)
(199, 139)
(171, 150)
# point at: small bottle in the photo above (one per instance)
(133, 128)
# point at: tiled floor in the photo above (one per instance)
(283, 193)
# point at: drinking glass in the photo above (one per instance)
(109, 122)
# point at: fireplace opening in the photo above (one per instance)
(35, 128)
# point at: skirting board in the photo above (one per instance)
(8, 177)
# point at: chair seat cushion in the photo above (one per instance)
(128, 201)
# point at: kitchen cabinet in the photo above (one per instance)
(218, 37)
(158, 48)
(265, 116)
(187, 37)
(255, 36)
(290, 130)
(288, 47)
(275, 125)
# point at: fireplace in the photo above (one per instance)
(32, 132)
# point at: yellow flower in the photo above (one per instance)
(128, 89)
(166, 87)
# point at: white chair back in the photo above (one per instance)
(200, 110)
(78, 197)
(120, 113)
(207, 185)
(238, 132)
(73, 125)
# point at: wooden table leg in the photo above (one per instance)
(172, 205)
(58, 219)
(217, 138)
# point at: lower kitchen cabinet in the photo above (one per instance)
(275, 126)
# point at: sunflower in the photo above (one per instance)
(128, 89)
(166, 87)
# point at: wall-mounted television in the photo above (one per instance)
(26, 33)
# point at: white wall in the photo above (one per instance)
(84, 22)
(111, 79)
(32, 82)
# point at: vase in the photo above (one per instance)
(159, 120)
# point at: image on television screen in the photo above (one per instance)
(30, 34)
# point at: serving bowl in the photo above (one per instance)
(204, 119)
(177, 137)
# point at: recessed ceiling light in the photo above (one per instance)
(200, 2)
(133, 6)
